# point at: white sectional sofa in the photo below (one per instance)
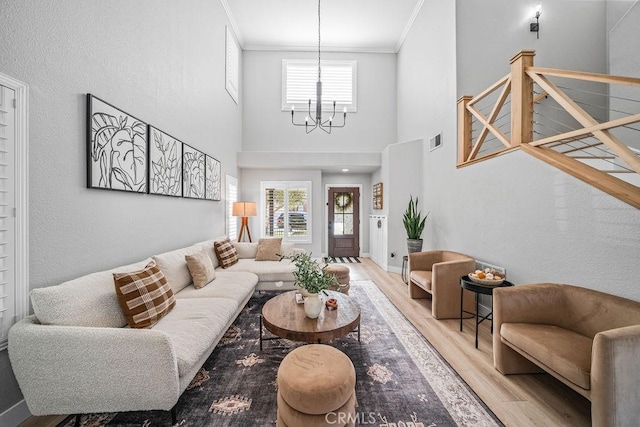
(76, 355)
(272, 275)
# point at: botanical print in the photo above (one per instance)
(117, 149)
(165, 160)
(213, 179)
(193, 172)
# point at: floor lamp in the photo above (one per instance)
(244, 210)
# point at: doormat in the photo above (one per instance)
(342, 260)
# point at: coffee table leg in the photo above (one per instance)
(261, 332)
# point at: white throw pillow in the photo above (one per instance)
(286, 249)
(246, 250)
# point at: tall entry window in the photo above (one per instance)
(286, 210)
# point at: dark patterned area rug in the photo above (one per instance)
(401, 379)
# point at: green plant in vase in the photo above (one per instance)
(314, 279)
(414, 225)
(310, 275)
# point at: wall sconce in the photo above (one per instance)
(244, 210)
(535, 26)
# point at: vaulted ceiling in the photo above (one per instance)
(346, 25)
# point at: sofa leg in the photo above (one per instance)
(77, 420)
(174, 417)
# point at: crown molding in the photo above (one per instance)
(233, 23)
(335, 49)
(410, 22)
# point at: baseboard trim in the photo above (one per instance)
(394, 269)
(15, 415)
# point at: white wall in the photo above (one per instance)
(250, 182)
(514, 210)
(156, 59)
(623, 25)
(405, 180)
(426, 106)
(267, 128)
(572, 36)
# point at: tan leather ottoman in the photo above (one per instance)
(342, 277)
(314, 380)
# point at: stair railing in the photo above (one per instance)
(586, 124)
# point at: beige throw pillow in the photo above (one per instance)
(144, 296)
(201, 269)
(226, 253)
(268, 249)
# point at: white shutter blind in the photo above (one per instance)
(232, 196)
(7, 221)
(338, 84)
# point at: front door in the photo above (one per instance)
(344, 221)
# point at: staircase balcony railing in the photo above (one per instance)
(586, 124)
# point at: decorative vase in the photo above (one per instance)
(414, 245)
(313, 306)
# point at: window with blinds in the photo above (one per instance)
(7, 220)
(286, 210)
(299, 80)
(232, 196)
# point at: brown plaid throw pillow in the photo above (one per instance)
(144, 296)
(226, 253)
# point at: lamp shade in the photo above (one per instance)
(244, 209)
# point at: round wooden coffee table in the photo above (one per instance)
(285, 318)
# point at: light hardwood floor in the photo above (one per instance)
(517, 400)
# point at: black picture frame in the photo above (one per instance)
(116, 148)
(193, 172)
(165, 163)
(213, 175)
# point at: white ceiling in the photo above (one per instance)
(346, 25)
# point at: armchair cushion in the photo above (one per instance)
(563, 351)
(421, 278)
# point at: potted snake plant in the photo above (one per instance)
(414, 225)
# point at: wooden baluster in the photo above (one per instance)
(464, 129)
(521, 98)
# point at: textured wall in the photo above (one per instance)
(514, 210)
(267, 128)
(156, 59)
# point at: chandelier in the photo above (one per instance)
(312, 123)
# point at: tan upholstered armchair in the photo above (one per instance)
(587, 339)
(437, 274)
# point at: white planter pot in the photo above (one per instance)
(313, 306)
(304, 292)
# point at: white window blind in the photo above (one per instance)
(7, 219)
(299, 80)
(286, 210)
(232, 196)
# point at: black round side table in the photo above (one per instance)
(477, 288)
